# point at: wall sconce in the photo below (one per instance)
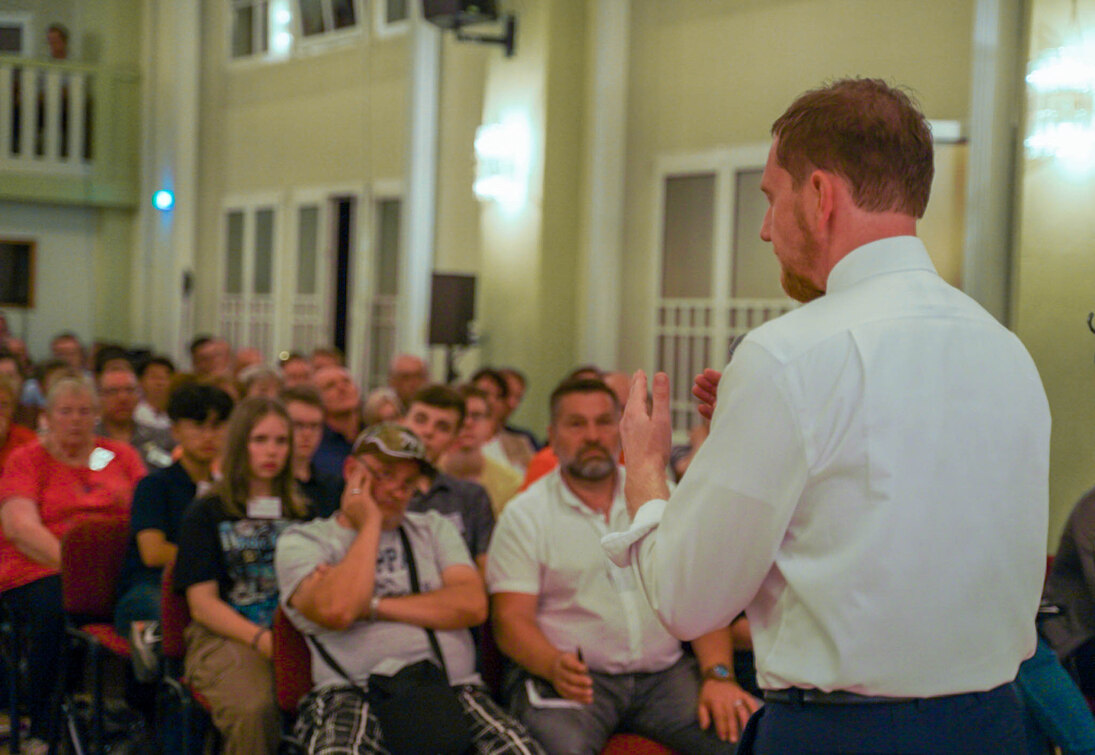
(456, 14)
(502, 162)
(1061, 82)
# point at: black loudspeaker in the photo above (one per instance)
(452, 307)
(452, 14)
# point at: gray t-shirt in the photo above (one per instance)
(436, 544)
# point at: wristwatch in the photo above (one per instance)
(720, 672)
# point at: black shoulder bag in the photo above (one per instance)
(418, 710)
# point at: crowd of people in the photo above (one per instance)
(865, 502)
(285, 485)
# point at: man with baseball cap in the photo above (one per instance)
(345, 581)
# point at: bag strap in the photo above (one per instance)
(415, 588)
(330, 661)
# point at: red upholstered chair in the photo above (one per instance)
(292, 675)
(633, 744)
(92, 552)
(192, 722)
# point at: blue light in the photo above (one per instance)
(163, 200)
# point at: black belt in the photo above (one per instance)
(799, 696)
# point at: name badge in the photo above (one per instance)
(264, 507)
(99, 458)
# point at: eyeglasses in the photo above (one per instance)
(390, 479)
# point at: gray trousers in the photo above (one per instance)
(660, 706)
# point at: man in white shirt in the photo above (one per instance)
(594, 658)
(874, 489)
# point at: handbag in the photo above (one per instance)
(418, 710)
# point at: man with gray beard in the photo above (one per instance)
(593, 658)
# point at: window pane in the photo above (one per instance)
(396, 10)
(242, 23)
(387, 246)
(689, 236)
(233, 279)
(343, 13)
(311, 17)
(755, 268)
(264, 251)
(307, 241)
(262, 27)
(11, 38)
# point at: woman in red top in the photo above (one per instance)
(11, 435)
(44, 488)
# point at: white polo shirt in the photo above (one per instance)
(873, 492)
(548, 543)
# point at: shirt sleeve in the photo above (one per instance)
(512, 565)
(21, 475)
(701, 557)
(199, 558)
(297, 554)
(479, 520)
(451, 548)
(150, 506)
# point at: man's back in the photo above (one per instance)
(908, 436)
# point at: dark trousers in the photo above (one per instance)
(977, 722)
(37, 607)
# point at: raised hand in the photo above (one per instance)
(646, 438)
(357, 499)
(705, 388)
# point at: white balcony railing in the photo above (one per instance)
(45, 117)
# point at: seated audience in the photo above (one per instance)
(435, 415)
(342, 418)
(345, 584)
(585, 640)
(10, 367)
(305, 409)
(210, 356)
(154, 376)
(327, 356)
(464, 459)
(516, 384)
(118, 394)
(505, 447)
(296, 370)
(46, 486)
(259, 380)
(199, 414)
(247, 357)
(11, 435)
(225, 568)
(381, 405)
(407, 374)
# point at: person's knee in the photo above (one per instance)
(559, 738)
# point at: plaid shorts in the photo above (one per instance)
(337, 721)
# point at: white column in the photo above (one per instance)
(608, 44)
(994, 113)
(419, 213)
(164, 243)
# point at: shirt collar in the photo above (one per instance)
(574, 502)
(889, 255)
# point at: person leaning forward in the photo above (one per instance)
(874, 489)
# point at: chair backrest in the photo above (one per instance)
(292, 663)
(174, 616)
(92, 553)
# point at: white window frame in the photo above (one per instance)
(383, 28)
(330, 39)
(25, 21)
(363, 323)
(724, 163)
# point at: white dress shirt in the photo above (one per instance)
(547, 543)
(873, 492)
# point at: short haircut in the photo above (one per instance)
(109, 353)
(330, 351)
(292, 356)
(60, 29)
(577, 372)
(153, 361)
(198, 342)
(494, 376)
(65, 335)
(195, 401)
(872, 135)
(440, 397)
(301, 394)
(470, 390)
(514, 372)
(71, 382)
(579, 385)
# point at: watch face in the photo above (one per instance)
(720, 671)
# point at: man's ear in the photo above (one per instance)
(823, 188)
(349, 465)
